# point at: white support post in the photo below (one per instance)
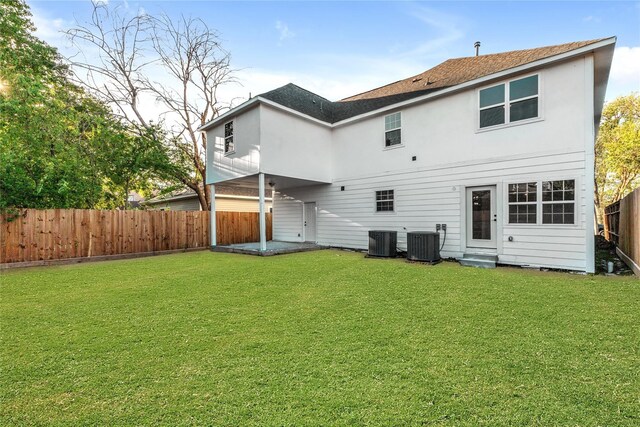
(212, 215)
(263, 219)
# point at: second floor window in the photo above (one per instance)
(509, 102)
(228, 138)
(392, 131)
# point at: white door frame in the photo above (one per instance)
(305, 206)
(482, 244)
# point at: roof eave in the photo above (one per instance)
(601, 69)
(232, 112)
(253, 102)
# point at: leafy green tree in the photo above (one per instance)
(617, 151)
(38, 107)
(133, 160)
(60, 147)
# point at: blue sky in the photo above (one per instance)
(341, 48)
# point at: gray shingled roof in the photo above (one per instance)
(311, 104)
(449, 73)
(303, 101)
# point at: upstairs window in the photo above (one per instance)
(392, 132)
(384, 201)
(492, 110)
(509, 102)
(228, 138)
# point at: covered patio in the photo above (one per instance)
(264, 183)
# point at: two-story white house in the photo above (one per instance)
(499, 148)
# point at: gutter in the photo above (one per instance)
(240, 108)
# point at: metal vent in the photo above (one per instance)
(382, 243)
(423, 246)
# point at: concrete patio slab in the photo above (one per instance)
(273, 248)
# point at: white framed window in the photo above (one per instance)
(559, 202)
(542, 202)
(229, 146)
(384, 200)
(523, 203)
(509, 102)
(392, 130)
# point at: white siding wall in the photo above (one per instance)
(294, 147)
(287, 218)
(451, 155)
(426, 197)
(246, 159)
(444, 131)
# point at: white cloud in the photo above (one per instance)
(591, 18)
(351, 74)
(49, 29)
(284, 31)
(447, 29)
(625, 72)
(626, 64)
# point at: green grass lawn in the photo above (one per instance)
(316, 338)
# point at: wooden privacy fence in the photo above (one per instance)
(623, 228)
(53, 234)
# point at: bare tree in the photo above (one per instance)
(191, 53)
(111, 59)
(120, 55)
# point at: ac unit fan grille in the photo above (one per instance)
(423, 246)
(383, 243)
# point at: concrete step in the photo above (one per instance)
(479, 260)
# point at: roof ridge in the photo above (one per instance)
(298, 87)
(587, 43)
(380, 87)
(312, 93)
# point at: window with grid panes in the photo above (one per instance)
(523, 206)
(509, 102)
(392, 131)
(384, 201)
(228, 138)
(558, 202)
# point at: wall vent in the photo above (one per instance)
(423, 246)
(382, 243)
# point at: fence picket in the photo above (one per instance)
(623, 225)
(76, 233)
